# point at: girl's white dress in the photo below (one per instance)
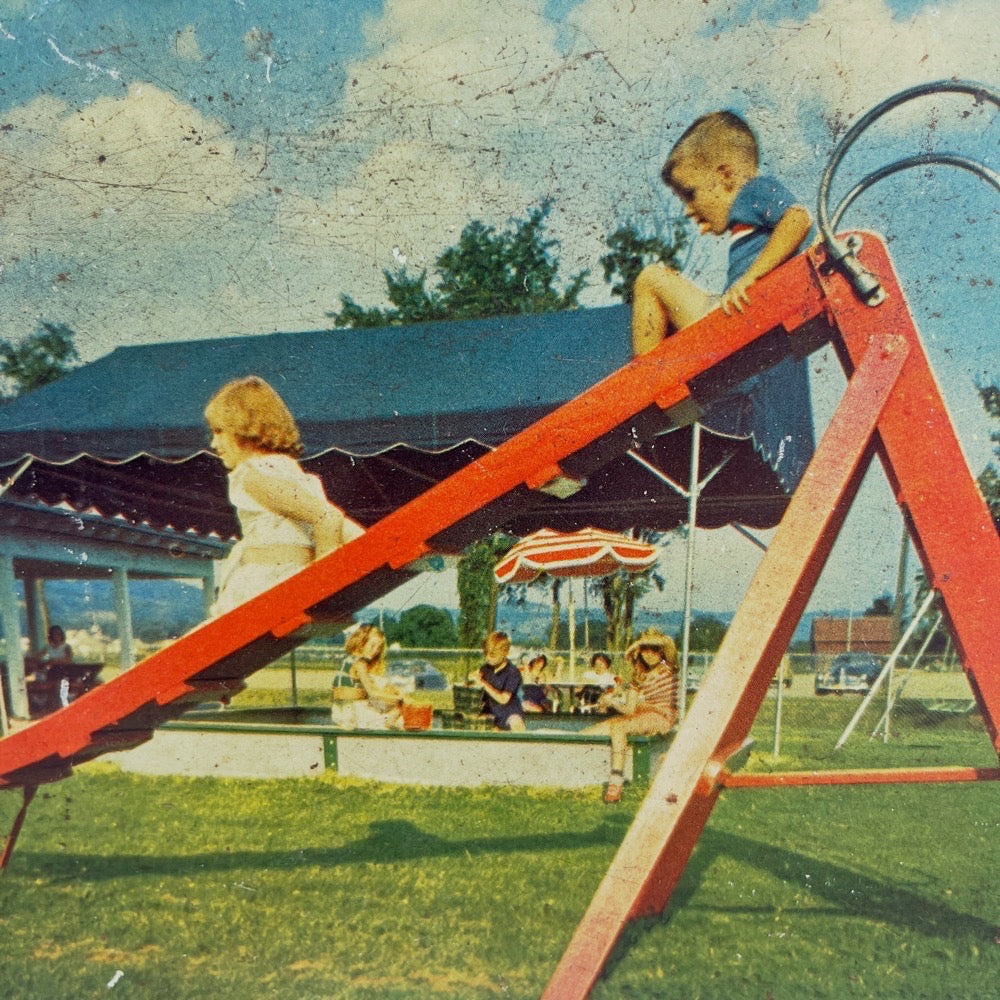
(241, 576)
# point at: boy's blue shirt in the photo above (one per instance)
(770, 403)
(756, 210)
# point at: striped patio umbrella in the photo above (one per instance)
(590, 552)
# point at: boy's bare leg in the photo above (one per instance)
(664, 301)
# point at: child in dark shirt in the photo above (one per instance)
(501, 680)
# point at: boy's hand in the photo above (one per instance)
(735, 296)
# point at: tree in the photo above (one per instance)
(487, 273)
(989, 481)
(44, 356)
(632, 248)
(423, 626)
(882, 605)
(478, 589)
(620, 592)
(707, 633)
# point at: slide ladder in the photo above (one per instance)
(797, 308)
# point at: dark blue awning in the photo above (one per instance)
(387, 412)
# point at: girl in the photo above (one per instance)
(648, 706)
(535, 696)
(373, 702)
(285, 519)
(597, 681)
(57, 649)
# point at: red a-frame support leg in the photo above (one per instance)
(891, 407)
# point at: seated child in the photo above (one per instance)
(713, 170)
(647, 706)
(501, 682)
(596, 681)
(373, 702)
(535, 696)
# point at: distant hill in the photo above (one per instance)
(160, 608)
(528, 624)
(165, 608)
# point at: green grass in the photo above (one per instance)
(331, 887)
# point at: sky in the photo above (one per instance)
(173, 170)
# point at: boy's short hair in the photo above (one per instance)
(711, 140)
(495, 642)
(256, 415)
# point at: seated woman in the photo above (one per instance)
(48, 688)
(535, 696)
(373, 702)
(647, 706)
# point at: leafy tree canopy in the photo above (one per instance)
(46, 355)
(632, 247)
(707, 633)
(989, 481)
(478, 589)
(882, 605)
(487, 273)
(422, 626)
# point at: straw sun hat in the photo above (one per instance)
(655, 638)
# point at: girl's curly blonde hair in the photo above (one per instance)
(356, 643)
(250, 410)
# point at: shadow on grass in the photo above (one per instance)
(387, 841)
(846, 893)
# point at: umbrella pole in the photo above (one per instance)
(572, 634)
(693, 491)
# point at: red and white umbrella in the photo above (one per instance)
(588, 552)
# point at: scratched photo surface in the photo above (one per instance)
(181, 170)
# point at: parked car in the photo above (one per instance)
(853, 672)
(416, 675)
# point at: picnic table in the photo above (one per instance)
(55, 684)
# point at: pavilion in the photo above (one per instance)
(105, 471)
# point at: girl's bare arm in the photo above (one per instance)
(331, 527)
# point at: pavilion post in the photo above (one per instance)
(11, 620)
(36, 609)
(123, 613)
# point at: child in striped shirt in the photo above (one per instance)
(648, 706)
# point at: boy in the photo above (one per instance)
(501, 681)
(713, 170)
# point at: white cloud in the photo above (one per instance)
(137, 217)
(144, 166)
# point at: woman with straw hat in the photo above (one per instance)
(648, 705)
